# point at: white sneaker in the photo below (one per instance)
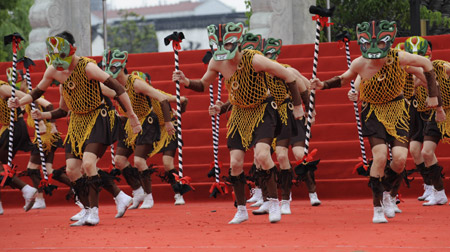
(274, 211)
(80, 214)
(240, 216)
(29, 194)
(256, 195)
(1, 208)
(378, 215)
(92, 218)
(437, 198)
(388, 207)
(428, 190)
(394, 205)
(39, 203)
(179, 199)
(84, 214)
(148, 202)
(285, 207)
(138, 197)
(263, 209)
(122, 202)
(258, 203)
(314, 200)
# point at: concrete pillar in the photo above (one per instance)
(289, 20)
(50, 17)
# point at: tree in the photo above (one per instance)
(132, 35)
(349, 13)
(14, 19)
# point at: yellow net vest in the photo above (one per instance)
(381, 90)
(141, 107)
(440, 67)
(82, 97)
(408, 89)
(247, 91)
(5, 112)
(165, 138)
(280, 91)
(48, 139)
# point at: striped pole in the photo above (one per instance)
(36, 122)
(15, 40)
(312, 95)
(179, 136)
(215, 128)
(355, 107)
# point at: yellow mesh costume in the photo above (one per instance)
(5, 112)
(165, 138)
(83, 97)
(280, 91)
(408, 89)
(141, 107)
(441, 67)
(381, 90)
(48, 139)
(247, 91)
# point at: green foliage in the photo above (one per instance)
(435, 18)
(14, 18)
(349, 13)
(132, 34)
(248, 12)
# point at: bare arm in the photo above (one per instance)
(107, 91)
(196, 85)
(263, 64)
(418, 72)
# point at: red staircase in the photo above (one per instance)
(334, 134)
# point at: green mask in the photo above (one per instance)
(60, 52)
(417, 45)
(376, 38)
(114, 61)
(252, 41)
(142, 75)
(272, 48)
(225, 35)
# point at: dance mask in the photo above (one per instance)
(272, 48)
(376, 38)
(418, 45)
(226, 35)
(60, 52)
(114, 61)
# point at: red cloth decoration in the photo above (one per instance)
(322, 20)
(8, 172)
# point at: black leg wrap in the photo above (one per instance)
(61, 176)
(131, 175)
(285, 181)
(168, 176)
(7, 181)
(436, 176)
(390, 177)
(81, 191)
(424, 172)
(146, 180)
(238, 183)
(252, 173)
(269, 180)
(377, 190)
(302, 169)
(35, 176)
(94, 183)
(107, 182)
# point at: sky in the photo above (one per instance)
(239, 5)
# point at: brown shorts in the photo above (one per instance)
(288, 130)
(21, 140)
(372, 127)
(417, 123)
(431, 129)
(299, 139)
(268, 128)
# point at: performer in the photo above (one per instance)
(429, 124)
(253, 117)
(142, 144)
(87, 139)
(21, 141)
(420, 46)
(384, 116)
(167, 144)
